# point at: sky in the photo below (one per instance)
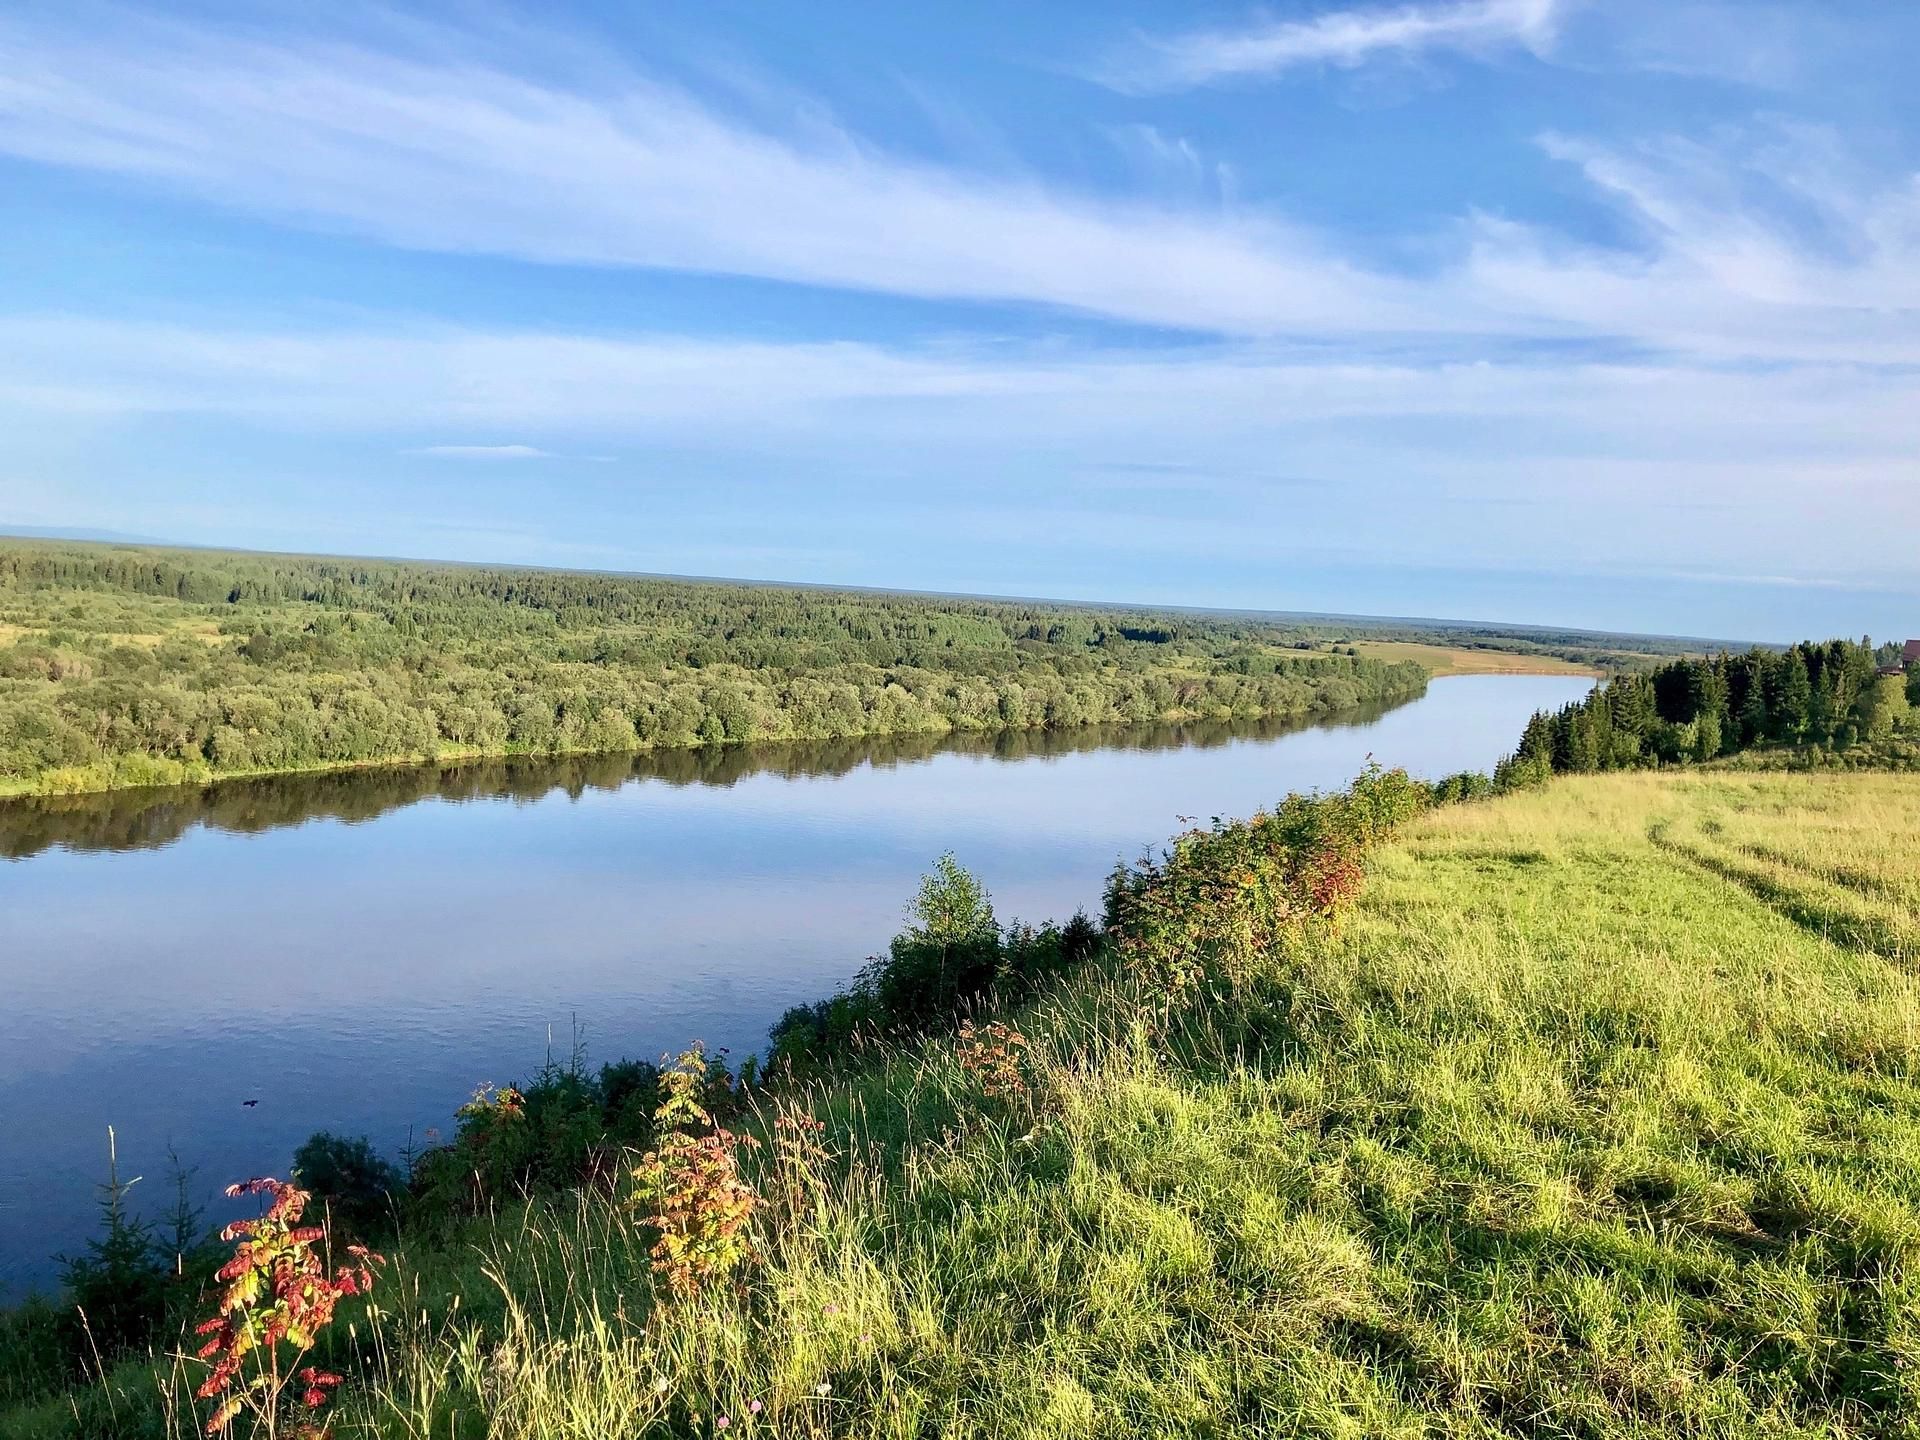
(1577, 312)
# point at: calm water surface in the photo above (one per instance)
(357, 952)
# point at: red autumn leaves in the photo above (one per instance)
(279, 1291)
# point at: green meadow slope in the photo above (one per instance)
(1598, 1115)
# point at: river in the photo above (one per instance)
(356, 952)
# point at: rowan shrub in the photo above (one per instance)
(688, 1191)
(280, 1295)
(1224, 898)
(994, 1057)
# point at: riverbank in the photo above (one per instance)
(124, 668)
(1407, 682)
(1587, 1112)
(436, 925)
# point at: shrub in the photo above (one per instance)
(949, 952)
(1460, 788)
(564, 1127)
(688, 1189)
(1225, 898)
(358, 1188)
(278, 1293)
(995, 1057)
(952, 955)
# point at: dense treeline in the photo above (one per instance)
(1828, 697)
(123, 667)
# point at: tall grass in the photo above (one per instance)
(1569, 1128)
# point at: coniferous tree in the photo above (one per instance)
(1751, 707)
(1824, 709)
(1630, 698)
(1536, 741)
(118, 1286)
(1691, 711)
(1791, 708)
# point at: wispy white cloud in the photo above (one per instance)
(1767, 244)
(440, 144)
(1776, 447)
(1652, 468)
(1755, 43)
(482, 452)
(1336, 37)
(441, 149)
(437, 378)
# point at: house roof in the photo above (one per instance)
(1911, 655)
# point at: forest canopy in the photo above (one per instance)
(124, 666)
(1833, 695)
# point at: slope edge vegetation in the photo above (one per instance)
(1595, 1114)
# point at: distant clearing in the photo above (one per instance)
(1457, 660)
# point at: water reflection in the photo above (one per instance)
(146, 819)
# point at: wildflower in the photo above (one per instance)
(754, 1407)
(721, 1422)
(823, 1388)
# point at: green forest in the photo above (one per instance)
(1836, 700)
(123, 667)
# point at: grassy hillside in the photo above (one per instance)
(1597, 1115)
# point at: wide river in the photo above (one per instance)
(356, 952)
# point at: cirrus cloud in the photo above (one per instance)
(445, 146)
(1336, 37)
(482, 452)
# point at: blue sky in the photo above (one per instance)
(1563, 311)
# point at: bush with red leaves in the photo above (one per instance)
(279, 1296)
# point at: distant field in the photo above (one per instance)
(1459, 660)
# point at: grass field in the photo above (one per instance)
(1462, 660)
(1598, 1117)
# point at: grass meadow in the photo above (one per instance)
(1598, 1116)
(1468, 660)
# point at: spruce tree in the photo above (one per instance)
(118, 1287)
(1792, 711)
